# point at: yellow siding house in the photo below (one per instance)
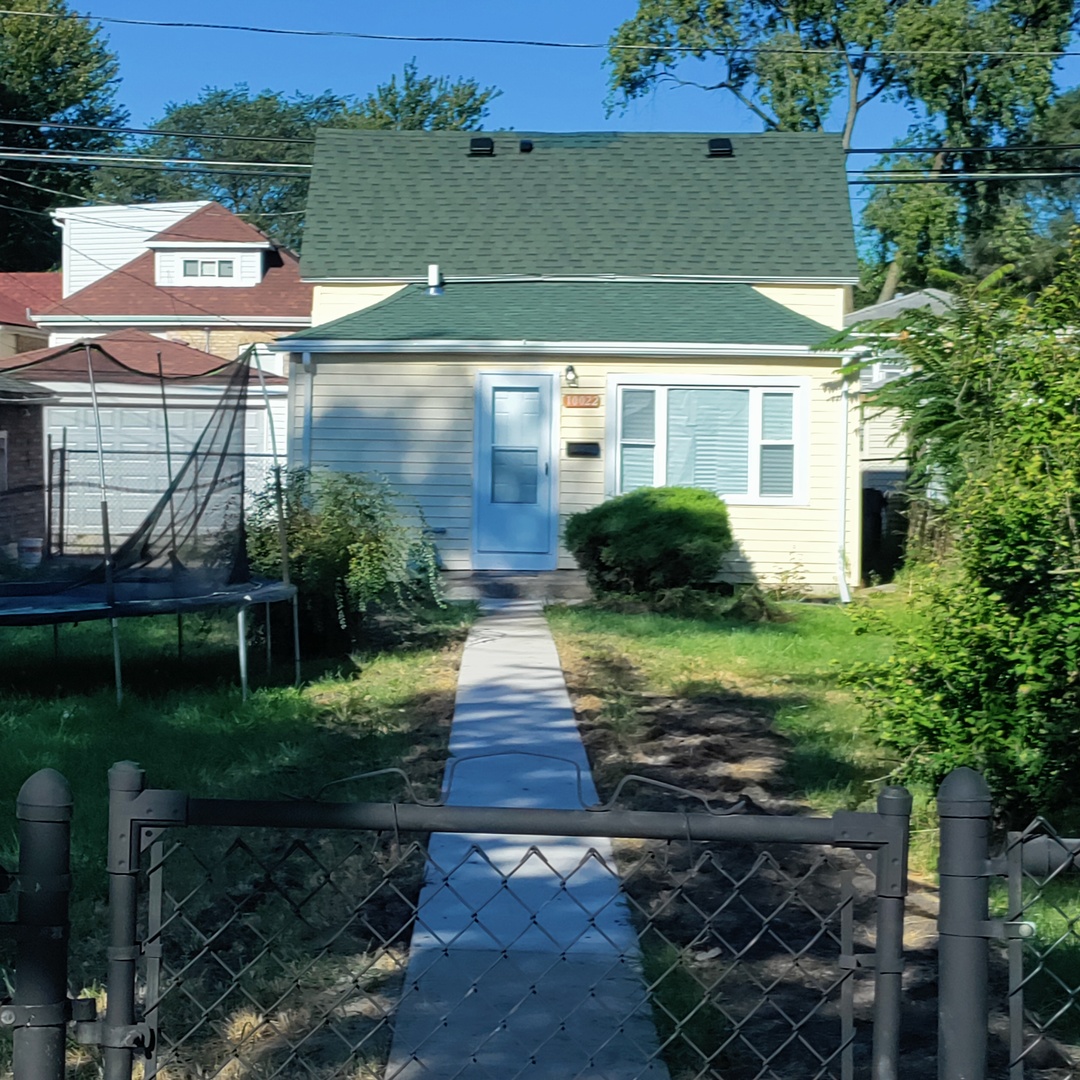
(511, 328)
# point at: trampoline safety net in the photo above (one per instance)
(183, 549)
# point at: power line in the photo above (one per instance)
(915, 177)
(12, 153)
(1014, 148)
(527, 42)
(154, 131)
(73, 161)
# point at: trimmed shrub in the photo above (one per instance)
(353, 552)
(650, 540)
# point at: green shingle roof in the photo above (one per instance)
(385, 204)
(590, 311)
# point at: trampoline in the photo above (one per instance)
(188, 554)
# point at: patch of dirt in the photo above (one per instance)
(722, 747)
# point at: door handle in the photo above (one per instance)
(547, 468)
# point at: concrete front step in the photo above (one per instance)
(545, 586)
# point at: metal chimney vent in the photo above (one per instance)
(721, 148)
(526, 146)
(481, 146)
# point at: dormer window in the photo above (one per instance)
(208, 268)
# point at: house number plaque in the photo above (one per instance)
(581, 401)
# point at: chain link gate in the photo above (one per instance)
(664, 945)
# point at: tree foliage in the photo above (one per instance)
(58, 70)
(968, 70)
(992, 676)
(272, 201)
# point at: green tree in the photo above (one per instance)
(969, 71)
(57, 70)
(274, 200)
(991, 677)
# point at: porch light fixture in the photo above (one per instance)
(570, 375)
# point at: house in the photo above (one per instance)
(192, 272)
(514, 327)
(22, 470)
(882, 447)
(19, 292)
(153, 397)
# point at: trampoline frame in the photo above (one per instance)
(241, 598)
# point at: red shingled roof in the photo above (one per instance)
(19, 291)
(126, 356)
(131, 291)
(213, 223)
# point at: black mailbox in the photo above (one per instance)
(582, 449)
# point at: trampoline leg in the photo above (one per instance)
(179, 636)
(296, 639)
(116, 661)
(269, 643)
(241, 645)
(56, 641)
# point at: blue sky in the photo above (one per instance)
(543, 89)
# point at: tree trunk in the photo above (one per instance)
(892, 279)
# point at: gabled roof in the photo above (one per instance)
(937, 300)
(131, 291)
(127, 356)
(564, 311)
(19, 291)
(19, 392)
(385, 204)
(212, 223)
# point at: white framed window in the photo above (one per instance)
(191, 268)
(743, 438)
(208, 268)
(225, 268)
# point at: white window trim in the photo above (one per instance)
(799, 385)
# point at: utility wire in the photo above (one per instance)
(62, 125)
(13, 153)
(529, 42)
(1013, 148)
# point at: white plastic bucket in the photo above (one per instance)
(30, 551)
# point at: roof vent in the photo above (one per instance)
(434, 280)
(526, 146)
(481, 146)
(720, 148)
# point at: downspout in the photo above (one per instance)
(309, 408)
(841, 539)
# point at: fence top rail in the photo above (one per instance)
(854, 830)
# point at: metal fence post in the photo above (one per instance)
(963, 925)
(126, 781)
(891, 888)
(40, 1005)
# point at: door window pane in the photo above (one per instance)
(708, 439)
(516, 417)
(514, 476)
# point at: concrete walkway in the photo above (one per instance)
(523, 961)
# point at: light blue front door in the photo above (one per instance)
(514, 482)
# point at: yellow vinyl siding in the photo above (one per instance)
(826, 304)
(409, 418)
(331, 302)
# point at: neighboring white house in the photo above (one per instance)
(138, 404)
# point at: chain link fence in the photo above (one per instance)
(1040, 1015)
(340, 956)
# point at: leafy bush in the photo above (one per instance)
(352, 551)
(651, 540)
(992, 677)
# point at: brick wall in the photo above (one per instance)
(224, 343)
(22, 505)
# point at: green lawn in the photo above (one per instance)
(184, 721)
(789, 670)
